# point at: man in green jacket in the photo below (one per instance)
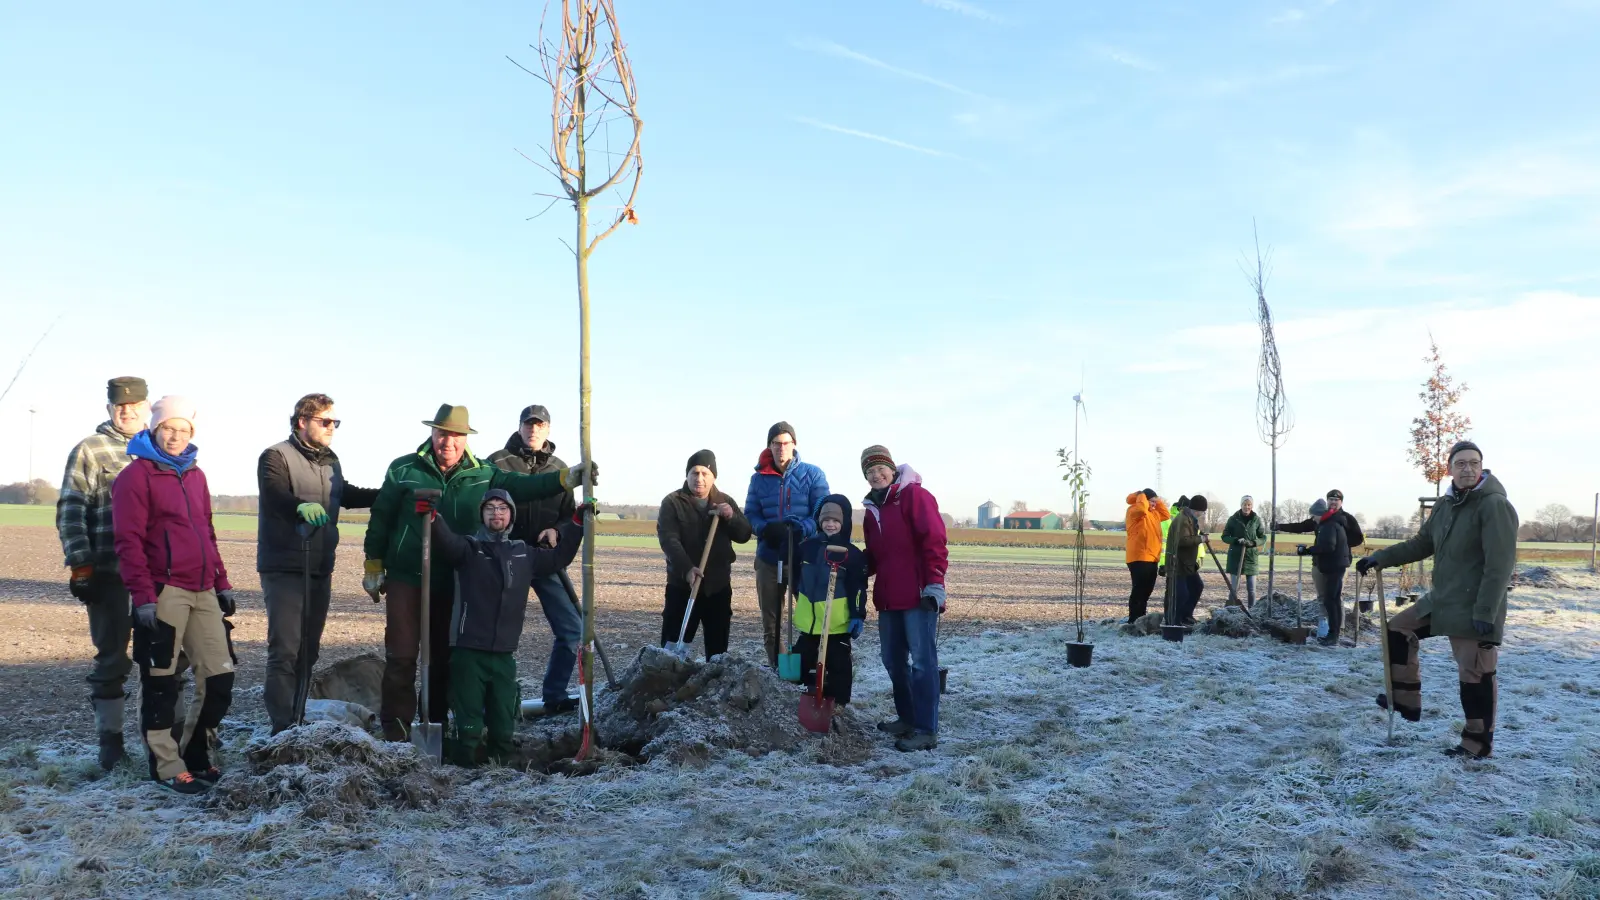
(1472, 537)
(394, 554)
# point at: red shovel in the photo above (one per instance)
(816, 711)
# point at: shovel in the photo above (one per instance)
(599, 647)
(681, 648)
(1233, 586)
(816, 711)
(302, 685)
(789, 663)
(1383, 642)
(428, 736)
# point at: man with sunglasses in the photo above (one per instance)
(302, 490)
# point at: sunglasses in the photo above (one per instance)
(324, 421)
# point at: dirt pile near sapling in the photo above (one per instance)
(1540, 577)
(337, 771)
(684, 712)
(1145, 625)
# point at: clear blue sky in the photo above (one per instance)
(903, 222)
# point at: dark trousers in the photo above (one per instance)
(911, 656)
(285, 602)
(712, 609)
(402, 637)
(486, 698)
(566, 629)
(1144, 583)
(1189, 588)
(110, 625)
(838, 677)
(1330, 590)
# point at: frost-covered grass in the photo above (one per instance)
(1211, 768)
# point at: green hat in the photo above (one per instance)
(452, 419)
(126, 389)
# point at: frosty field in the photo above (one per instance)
(1216, 767)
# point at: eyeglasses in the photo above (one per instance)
(324, 421)
(174, 431)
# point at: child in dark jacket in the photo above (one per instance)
(818, 557)
(1330, 557)
(493, 576)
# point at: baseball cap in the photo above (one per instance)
(535, 412)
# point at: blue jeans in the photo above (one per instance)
(1189, 589)
(912, 660)
(566, 624)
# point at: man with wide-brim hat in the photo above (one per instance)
(394, 552)
(83, 521)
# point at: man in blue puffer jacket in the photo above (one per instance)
(783, 493)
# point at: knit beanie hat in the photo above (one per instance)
(702, 458)
(1319, 509)
(830, 511)
(1462, 447)
(172, 406)
(1246, 499)
(1198, 503)
(781, 428)
(876, 455)
(1149, 494)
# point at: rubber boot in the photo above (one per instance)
(108, 722)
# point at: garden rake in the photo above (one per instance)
(681, 648)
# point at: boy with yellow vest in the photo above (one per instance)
(848, 615)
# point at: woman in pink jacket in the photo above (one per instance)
(906, 552)
(167, 550)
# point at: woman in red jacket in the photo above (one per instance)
(167, 550)
(906, 552)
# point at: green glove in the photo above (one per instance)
(312, 514)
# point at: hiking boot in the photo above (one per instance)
(184, 783)
(564, 705)
(1331, 640)
(111, 751)
(209, 776)
(1464, 753)
(896, 727)
(917, 740)
(1410, 715)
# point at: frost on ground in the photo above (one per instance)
(1215, 767)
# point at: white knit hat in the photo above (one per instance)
(172, 406)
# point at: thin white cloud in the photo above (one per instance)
(1125, 58)
(829, 48)
(1238, 84)
(882, 139)
(963, 9)
(1288, 16)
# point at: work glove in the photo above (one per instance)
(933, 598)
(1161, 571)
(427, 506)
(1301, 549)
(312, 514)
(1484, 629)
(589, 506)
(226, 603)
(372, 580)
(144, 616)
(572, 476)
(1365, 565)
(856, 626)
(773, 534)
(78, 583)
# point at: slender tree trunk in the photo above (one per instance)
(585, 450)
(1272, 540)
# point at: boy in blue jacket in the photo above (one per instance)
(848, 616)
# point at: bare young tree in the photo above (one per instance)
(1553, 522)
(1438, 428)
(592, 94)
(1018, 506)
(1292, 510)
(1274, 418)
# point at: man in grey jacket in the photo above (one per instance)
(83, 522)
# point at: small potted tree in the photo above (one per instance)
(1079, 652)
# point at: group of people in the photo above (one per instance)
(803, 532)
(1471, 535)
(135, 523)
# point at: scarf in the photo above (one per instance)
(142, 447)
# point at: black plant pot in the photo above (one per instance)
(1174, 633)
(943, 672)
(1366, 606)
(1079, 655)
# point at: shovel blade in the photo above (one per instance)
(429, 738)
(789, 667)
(816, 714)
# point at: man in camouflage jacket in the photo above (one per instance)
(83, 521)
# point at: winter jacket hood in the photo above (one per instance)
(1143, 523)
(483, 529)
(790, 496)
(1472, 537)
(163, 531)
(905, 537)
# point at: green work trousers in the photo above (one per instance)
(484, 700)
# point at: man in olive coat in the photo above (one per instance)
(1472, 537)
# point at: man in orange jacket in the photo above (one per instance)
(1146, 512)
